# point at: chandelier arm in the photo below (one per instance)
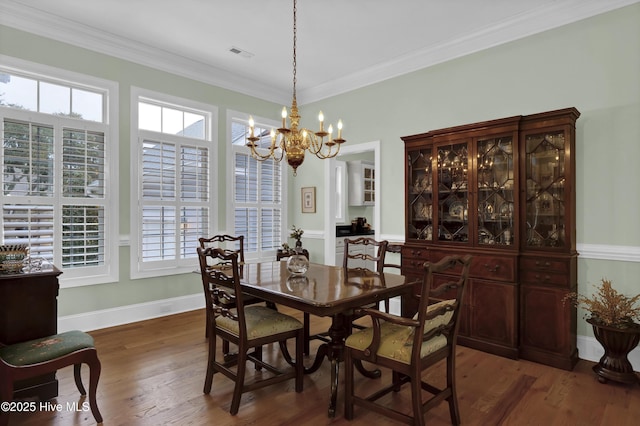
(262, 157)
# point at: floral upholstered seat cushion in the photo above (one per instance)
(396, 341)
(46, 348)
(261, 321)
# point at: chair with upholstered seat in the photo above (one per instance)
(408, 346)
(222, 241)
(248, 327)
(33, 358)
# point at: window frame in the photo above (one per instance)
(108, 272)
(139, 269)
(260, 255)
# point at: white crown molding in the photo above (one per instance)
(26, 18)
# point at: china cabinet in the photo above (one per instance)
(362, 176)
(500, 190)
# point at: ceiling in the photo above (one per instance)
(341, 44)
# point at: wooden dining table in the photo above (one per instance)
(325, 291)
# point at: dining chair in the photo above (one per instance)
(33, 358)
(248, 327)
(408, 346)
(358, 254)
(222, 241)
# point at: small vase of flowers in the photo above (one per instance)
(296, 234)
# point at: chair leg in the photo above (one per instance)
(348, 385)
(6, 395)
(416, 397)
(94, 377)
(307, 335)
(299, 363)
(454, 412)
(211, 360)
(78, 378)
(258, 354)
(239, 385)
(395, 378)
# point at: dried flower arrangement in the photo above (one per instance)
(608, 307)
(296, 233)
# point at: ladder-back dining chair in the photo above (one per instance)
(248, 327)
(407, 346)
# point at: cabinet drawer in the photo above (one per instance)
(544, 278)
(544, 264)
(494, 268)
(415, 253)
(413, 259)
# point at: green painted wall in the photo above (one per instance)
(593, 65)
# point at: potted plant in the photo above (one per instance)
(614, 318)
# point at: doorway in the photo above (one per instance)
(330, 199)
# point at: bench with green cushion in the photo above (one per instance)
(48, 354)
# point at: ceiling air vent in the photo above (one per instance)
(240, 52)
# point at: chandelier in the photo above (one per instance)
(292, 142)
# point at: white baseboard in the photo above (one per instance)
(121, 315)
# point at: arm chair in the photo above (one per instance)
(409, 346)
(25, 360)
(249, 327)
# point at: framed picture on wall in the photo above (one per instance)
(308, 199)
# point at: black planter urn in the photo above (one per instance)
(617, 343)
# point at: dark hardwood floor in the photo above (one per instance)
(153, 374)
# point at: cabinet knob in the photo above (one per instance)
(545, 264)
(490, 269)
(546, 278)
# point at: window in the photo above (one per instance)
(57, 149)
(258, 190)
(173, 203)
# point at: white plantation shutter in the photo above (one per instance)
(31, 225)
(174, 184)
(58, 169)
(258, 208)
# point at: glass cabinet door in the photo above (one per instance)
(453, 193)
(496, 189)
(420, 197)
(545, 198)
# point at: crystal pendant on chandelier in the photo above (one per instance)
(292, 142)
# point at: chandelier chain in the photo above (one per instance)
(295, 40)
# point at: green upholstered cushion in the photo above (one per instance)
(46, 348)
(396, 341)
(261, 321)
